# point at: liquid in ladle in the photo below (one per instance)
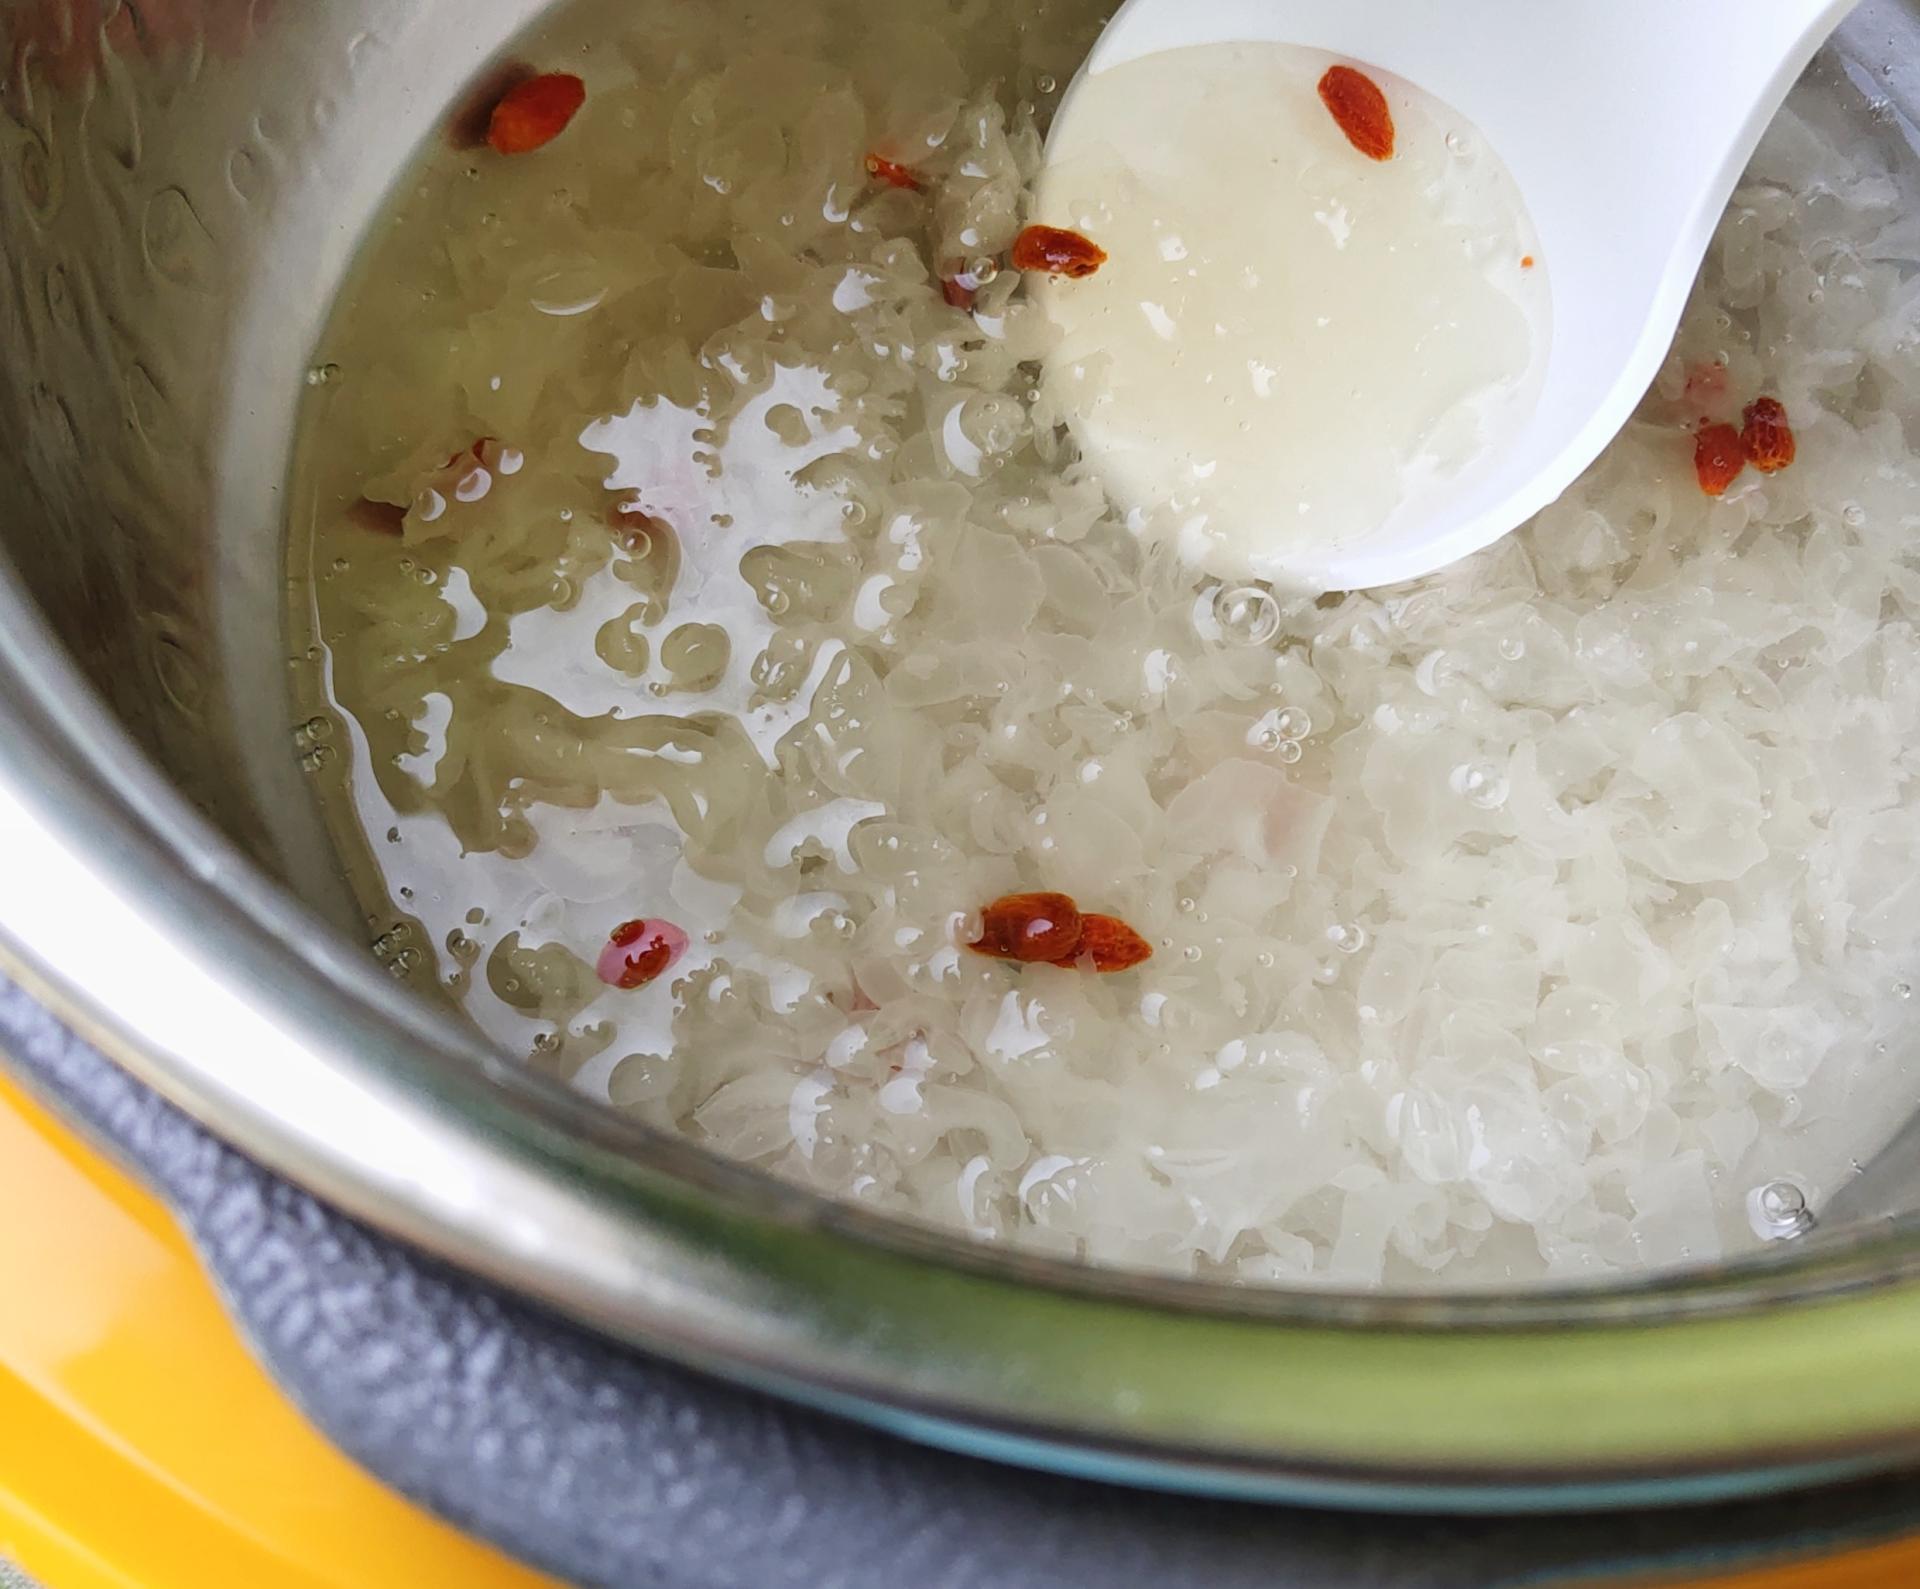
(1291, 345)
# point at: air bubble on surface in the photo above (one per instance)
(1778, 1210)
(1247, 615)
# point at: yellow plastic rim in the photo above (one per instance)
(145, 1449)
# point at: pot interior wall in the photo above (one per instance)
(183, 188)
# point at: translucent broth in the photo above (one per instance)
(1515, 924)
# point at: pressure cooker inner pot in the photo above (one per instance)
(633, 579)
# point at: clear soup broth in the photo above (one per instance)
(689, 552)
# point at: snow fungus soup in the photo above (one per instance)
(733, 691)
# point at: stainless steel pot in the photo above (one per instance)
(182, 183)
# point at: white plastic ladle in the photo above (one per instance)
(1625, 123)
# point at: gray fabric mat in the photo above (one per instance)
(607, 1468)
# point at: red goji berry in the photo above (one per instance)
(1057, 252)
(1360, 110)
(1765, 435)
(1029, 927)
(1109, 945)
(958, 293)
(638, 951)
(1717, 457)
(894, 174)
(468, 122)
(534, 112)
